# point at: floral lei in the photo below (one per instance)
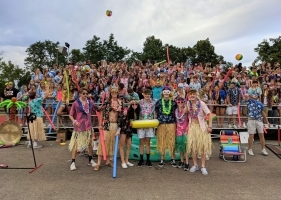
(181, 118)
(166, 111)
(194, 113)
(85, 109)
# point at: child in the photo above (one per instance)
(181, 133)
(127, 131)
(147, 108)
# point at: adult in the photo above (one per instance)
(199, 139)
(80, 115)
(165, 109)
(8, 93)
(255, 124)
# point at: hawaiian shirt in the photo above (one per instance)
(161, 116)
(254, 109)
(233, 96)
(36, 106)
(147, 109)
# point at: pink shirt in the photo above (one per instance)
(181, 123)
(82, 118)
(201, 116)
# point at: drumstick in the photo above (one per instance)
(49, 119)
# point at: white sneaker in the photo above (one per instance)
(234, 126)
(207, 157)
(250, 152)
(72, 167)
(93, 163)
(229, 126)
(194, 168)
(204, 171)
(244, 125)
(124, 166)
(37, 146)
(129, 164)
(264, 152)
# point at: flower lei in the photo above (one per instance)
(182, 118)
(194, 113)
(85, 109)
(166, 111)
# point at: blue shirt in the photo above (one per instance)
(254, 109)
(162, 117)
(36, 106)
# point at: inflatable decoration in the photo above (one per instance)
(239, 57)
(145, 123)
(51, 74)
(108, 13)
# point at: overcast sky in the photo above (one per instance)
(233, 26)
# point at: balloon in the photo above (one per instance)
(239, 57)
(108, 13)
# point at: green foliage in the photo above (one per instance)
(76, 55)
(153, 49)
(43, 54)
(269, 50)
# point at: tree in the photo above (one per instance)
(153, 49)
(269, 51)
(94, 50)
(43, 54)
(76, 55)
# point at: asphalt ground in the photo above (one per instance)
(257, 178)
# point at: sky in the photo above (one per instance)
(233, 26)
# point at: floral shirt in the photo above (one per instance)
(254, 109)
(162, 117)
(233, 96)
(147, 109)
(106, 109)
(36, 106)
(181, 122)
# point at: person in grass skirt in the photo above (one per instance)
(181, 133)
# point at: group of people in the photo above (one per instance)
(178, 95)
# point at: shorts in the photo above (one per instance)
(244, 110)
(254, 126)
(145, 133)
(231, 110)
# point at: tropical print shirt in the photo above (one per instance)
(161, 116)
(254, 109)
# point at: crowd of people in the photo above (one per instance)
(179, 95)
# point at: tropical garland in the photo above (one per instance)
(166, 111)
(85, 109)
(181, 118)
(194, 113)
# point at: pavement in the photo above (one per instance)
(257, 178)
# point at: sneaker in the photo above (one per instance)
(129, 164)
(207, 157)
(194, 168)
(92, 163)
(204, 171)
(161, 164)
(180, 165)
(186, 167)
(244, 125)
(174, 164)
(148, 163)
(229, 126)
(250, 152)
(264, 152)
(140, 164)
(37, 146)
(124, 166)
(234, 126)
(72, 166)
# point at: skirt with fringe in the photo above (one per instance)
(80, 140)
(181, 144)
(166, 135)
(37, 131)
(199, 142)
(109, 137)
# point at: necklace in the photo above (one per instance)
(194, 112)
(182, 118)
(164, 109)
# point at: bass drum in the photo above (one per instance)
(10, 133)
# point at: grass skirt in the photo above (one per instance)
(80, 140)
(37, 131)
(199, 142)
(166, 134)
(181, 143)
(109, 142)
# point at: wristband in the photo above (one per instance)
(74, 122)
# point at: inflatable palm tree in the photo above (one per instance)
(13, 104)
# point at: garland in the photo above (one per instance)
(84, 109)
(194, 113)
(166, 111)
(182, 118)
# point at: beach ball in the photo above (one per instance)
(108, 13)
(52, 74)
(239, 57)
(86, 68)
(214, 117)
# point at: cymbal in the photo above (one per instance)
(10, 133)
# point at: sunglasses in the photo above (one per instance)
(180, 101)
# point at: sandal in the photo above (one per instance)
(97, 168)
(109, 164)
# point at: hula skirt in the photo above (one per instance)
(166, 135)
(199, 142)
(109, 137)
(37, 130)
(80, 140)
(181, 143)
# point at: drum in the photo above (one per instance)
(10, 133)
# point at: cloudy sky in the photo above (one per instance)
(233, 26)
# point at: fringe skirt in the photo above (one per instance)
(199, 142)
(37, 131)
(166, 134)
(80, 140)
(109, 137)
(181, 143)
